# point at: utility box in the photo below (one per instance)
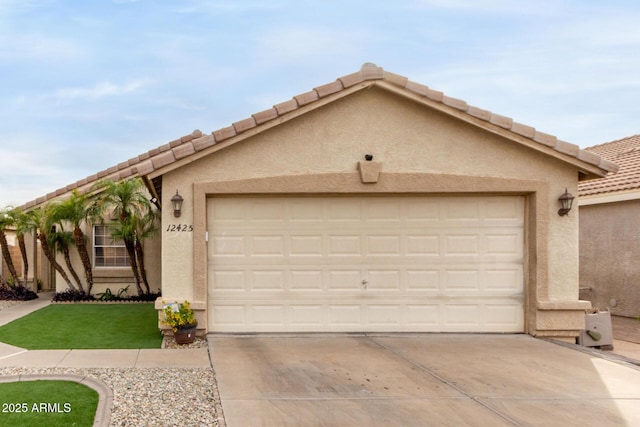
(598, 331)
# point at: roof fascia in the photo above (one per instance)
(586, 170)
(263, 127)
(598, 199)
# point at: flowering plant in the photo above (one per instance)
(178, 315)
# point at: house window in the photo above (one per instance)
(107, 251)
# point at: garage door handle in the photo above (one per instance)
(364, 284)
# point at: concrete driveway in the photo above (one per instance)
(418, 380)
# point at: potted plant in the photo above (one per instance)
(181, 319)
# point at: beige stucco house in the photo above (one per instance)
(371, 203)
(610, 231)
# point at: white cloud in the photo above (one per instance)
(100, 90)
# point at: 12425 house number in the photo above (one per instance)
(180, 227)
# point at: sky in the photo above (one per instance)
(85, 85)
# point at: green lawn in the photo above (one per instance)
(85, 326)
(47, 403)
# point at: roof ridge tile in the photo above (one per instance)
(306, 98)
(545, 139)
(224, 133)
(396, 79)
(502, 121)
(244, 125)
(329, 88)
(286, 106)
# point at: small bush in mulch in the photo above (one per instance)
(16, 293)
(71, 295)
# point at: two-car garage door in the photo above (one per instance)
(356, 264)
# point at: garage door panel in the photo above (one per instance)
(425, 245)
(384, 316)
(308, 316)
(366, 264)
(228, 245)
(306, 280)
(461, 280)
(422, 280)
(345, 315)
(343, 210)
(272, 280)
(266, 245)
(342, 245)
(383, 245)
(461, 245)
(506, 278)
(503, 244)
(221, 280)
(384, 280)
(306, 245)
(341, 280)
(381, 209)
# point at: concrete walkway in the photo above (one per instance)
(11, 356)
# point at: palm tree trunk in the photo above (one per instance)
(131, 251)
(52, 259)
(7, 258)
(78, 237)
(67, 260)
(25, 260)
(143, 271)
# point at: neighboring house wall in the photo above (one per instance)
(17, 262)
(610, 256)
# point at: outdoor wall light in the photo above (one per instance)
(567, 200)
(176, 202)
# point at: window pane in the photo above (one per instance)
(107, 251)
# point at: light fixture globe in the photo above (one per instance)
(176, 202)
(566, 199)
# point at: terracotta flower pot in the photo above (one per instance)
(185, 334)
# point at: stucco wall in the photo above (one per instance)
(609, 256)
(407, 139)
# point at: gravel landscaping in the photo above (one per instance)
(7, 303)
(150, 396)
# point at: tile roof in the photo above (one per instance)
(625, 153)
(156, 160)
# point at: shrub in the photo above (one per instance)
(71, 295)
(17, 293)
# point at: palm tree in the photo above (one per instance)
(22, 222)
(125, 230)
(41, 223)
(62, 241)
(78, 210)
(146, 227)
(129, 204)
(6, 221)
